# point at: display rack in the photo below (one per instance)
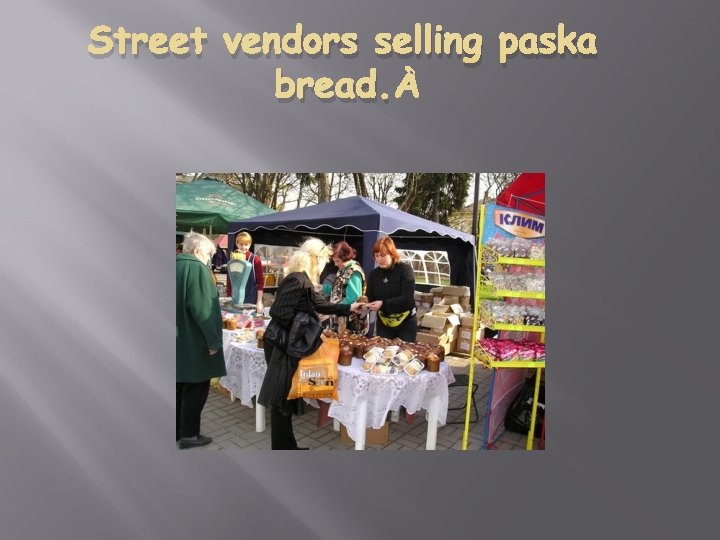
(490, 323)
(488, 256)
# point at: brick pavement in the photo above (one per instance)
(232, 425)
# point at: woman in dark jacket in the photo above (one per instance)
(349, 285)
(295, 294)
(391, 292)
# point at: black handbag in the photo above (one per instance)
(305, 331)
(276, 335)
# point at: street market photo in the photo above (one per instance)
(366, 311)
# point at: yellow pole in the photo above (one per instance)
(474, 335)
(533, 415)
(531, 433)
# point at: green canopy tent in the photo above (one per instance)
(211, 205)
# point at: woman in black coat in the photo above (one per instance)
(295, 294)
(391, 292)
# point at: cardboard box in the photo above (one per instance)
(463, 346)
(467, 320)
(465, 333)
(220, 389)
(432, 339)
(445, 341)
(451, 331)
(453, 319)
(449, 300)
(432, 331)
(449, 346)
(435, 320)
(423, 298)
(372, 436)
(454, 290)
(440, 321)
(442, 307)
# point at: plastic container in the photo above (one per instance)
(413, 367)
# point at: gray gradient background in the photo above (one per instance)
(90, 148)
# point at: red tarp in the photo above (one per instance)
(526, 193)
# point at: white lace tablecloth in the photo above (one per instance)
(380, 394)
(245, 366)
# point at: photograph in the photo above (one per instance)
(378, 311)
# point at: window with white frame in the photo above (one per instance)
(430, 267)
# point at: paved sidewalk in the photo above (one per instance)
(232, 425)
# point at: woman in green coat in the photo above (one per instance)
(198, 345)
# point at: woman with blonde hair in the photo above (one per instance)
(320, 254)
(255, 284)
(294, 295)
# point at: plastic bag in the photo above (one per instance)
(316, 376)
(519, 414)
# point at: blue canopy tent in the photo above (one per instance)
(360, 222)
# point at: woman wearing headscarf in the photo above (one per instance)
(295, 294)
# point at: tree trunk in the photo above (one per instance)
(360, 185)
(323, 187)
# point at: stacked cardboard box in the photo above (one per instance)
(466, 333)
(440, 326)
(440, 313)
(451, 294)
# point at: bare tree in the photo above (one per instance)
(494, 183)
(360, 185)
(381, 186)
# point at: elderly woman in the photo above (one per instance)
(391, 291)
(295, 294)
(198, 343)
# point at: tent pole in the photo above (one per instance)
(474, 230)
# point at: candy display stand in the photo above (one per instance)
(484, 320)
